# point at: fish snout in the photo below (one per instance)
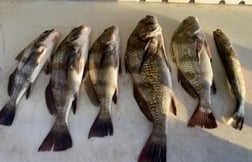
(55, 35)
(85, 29)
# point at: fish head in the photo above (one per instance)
(221, 37)
(189, 26)
(48, 37)
(79, 35)
(110, 34)
(148, 28)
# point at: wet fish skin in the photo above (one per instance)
(31, 60)
(152, 84)
(103, 69)
(234, 74)
(192, 56)
(67, 70)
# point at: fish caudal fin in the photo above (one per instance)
(154, 150)
(203, 117)
(7, 114)
(59, 139)
(102, 126)
(236, 121)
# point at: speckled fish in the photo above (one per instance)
(146, 61)
(31, 61)
(62, 91)
(191, 53)
(233, 70)
(101, 83)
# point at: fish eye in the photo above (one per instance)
(47, 31)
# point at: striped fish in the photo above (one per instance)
(62, 91)
(31, 61)
(192, 56)
(101, 83)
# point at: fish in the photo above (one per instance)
(234, 75)
(190, 52)
(31, 61)
(68, 64)
(101, 83)
(146, 61)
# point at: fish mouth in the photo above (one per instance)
(218, 31)
(150, 20)
(56, 34)
(110, 34)
(85, 29)
(189, 25)
(149, 27)
(77, 32)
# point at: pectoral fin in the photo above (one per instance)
(41, 51)
(74, 61)
(142, 104)
(146, 55)
(208, 50)
(186, 85)
(173, 106)
(199, 46)
(11, 82)
(162, 46)
(28, 91)
(89, 88)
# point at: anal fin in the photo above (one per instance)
(142, 104)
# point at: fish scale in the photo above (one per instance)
(31, 60)
(146, 61)
(192, 56)
(101, 84)
(235, 77)
(63, 88)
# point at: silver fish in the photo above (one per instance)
(146, 61)
(101, 83)
(62, 91)
(192, 56)
(31, 61)
(233, 70)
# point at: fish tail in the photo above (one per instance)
(102, 125)
(203, 117)
(154, 150)
(237, 118)
(58, 138)
(7, 114)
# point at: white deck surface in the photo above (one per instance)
(21, 22)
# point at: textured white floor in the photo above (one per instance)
(22, 22)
